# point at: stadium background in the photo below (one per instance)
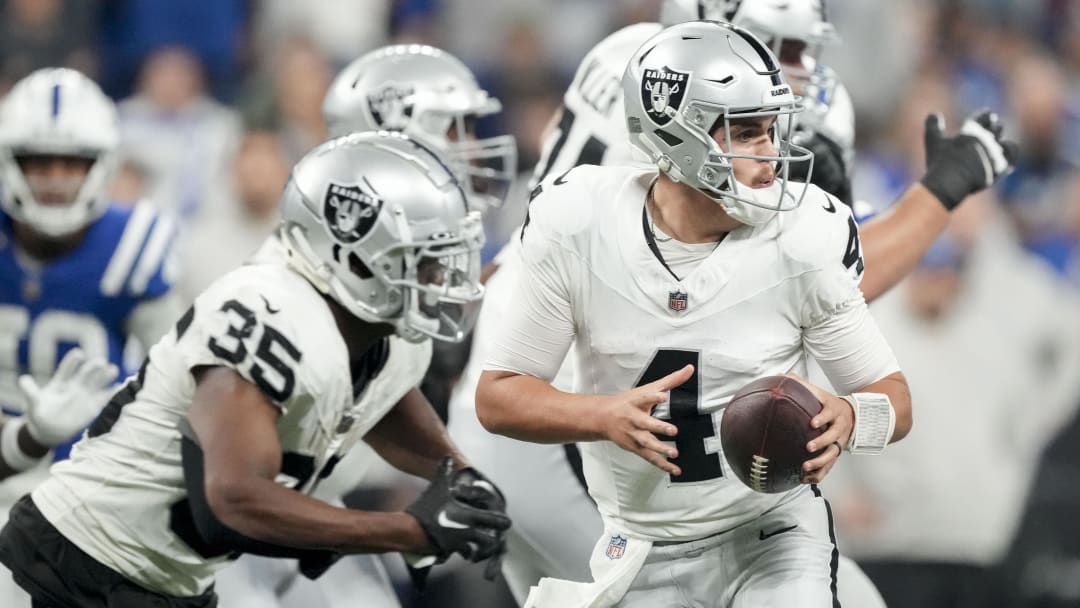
(219, 97)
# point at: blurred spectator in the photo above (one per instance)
(132, 30)
(1043, 194)
(886, 168)
(129, 184)
(183, 138)
(287, 96)
(46, 33)
(341, 29)
(217, 243)
(990, 342)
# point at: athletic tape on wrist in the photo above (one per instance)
(875, 420)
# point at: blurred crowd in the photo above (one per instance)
(218, 98)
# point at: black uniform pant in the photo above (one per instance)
(57, 574)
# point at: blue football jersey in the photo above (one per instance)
(81, 299)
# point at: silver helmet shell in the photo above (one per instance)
(432, 96)
(804, 21)
(692, 80)
(57, 112)
(377, 222)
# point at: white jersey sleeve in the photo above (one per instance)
(592, 126)
(540, 327)
(838, 330)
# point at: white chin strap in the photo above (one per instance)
(758, 205)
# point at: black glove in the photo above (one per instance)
(463, 513)
(830, 171)
(471, 487)
(965, 163)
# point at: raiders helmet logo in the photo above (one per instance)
(350, 211)
(391, 106)
(660, 90)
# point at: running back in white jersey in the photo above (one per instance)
(592, 128)
(122, 497)
(765, 297)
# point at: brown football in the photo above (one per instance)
(764, 432)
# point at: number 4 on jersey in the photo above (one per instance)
(698, 444)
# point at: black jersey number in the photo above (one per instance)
(592, 153)
(275, 355)
(853, 251)
(698, 460)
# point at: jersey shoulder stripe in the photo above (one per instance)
(139, 259)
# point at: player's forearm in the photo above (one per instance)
(412, 438)
(895, 241)
(528, 408)
(896, 387)
(265, 511)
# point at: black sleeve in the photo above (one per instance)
(194, 521)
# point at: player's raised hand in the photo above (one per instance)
(631, 425)
(837, 419)
(70, 400)
(970, 161)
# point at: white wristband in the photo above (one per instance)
(875, 420)
(10, 451)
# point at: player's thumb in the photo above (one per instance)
(933, 131)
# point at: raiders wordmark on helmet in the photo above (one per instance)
(662, 89)
(350, 211)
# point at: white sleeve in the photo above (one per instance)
(151, 319)
(850, 348)
(537, 331)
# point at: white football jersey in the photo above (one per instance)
(592, 128)
(121, 497)
(765, 298)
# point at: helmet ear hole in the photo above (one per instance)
(358, 267)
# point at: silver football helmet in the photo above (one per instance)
(56, 112)
(429, 95)
(801, 25)
(691, 81)
(379, 223)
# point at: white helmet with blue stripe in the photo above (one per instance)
(56, 112)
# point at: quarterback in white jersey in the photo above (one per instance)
(696, 280)
(271, 376)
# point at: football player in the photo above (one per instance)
(432, 96)
(277, 370)
(78, 276)
(695, 276)
(591, 129)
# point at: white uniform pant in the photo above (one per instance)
(263, 582)
(555, 521)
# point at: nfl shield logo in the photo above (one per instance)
(660, 90)
(350, 211)
(677, 300)
(616, 547)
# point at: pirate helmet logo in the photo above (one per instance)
(350, 211)
(662, 93)
(391, 106)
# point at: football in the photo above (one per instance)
(764, 432)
